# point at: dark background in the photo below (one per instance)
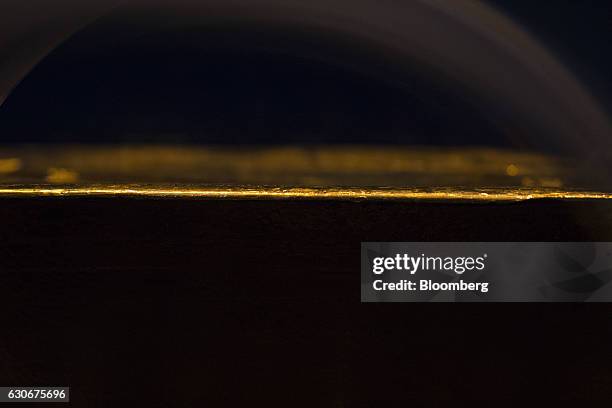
(579, 32)
(229, 303)
(127, 80)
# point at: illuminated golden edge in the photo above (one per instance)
(259, 193)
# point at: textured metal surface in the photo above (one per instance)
(350, 172)
(240, 302)
(448, 194)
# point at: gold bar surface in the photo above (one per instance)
(290, 172)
